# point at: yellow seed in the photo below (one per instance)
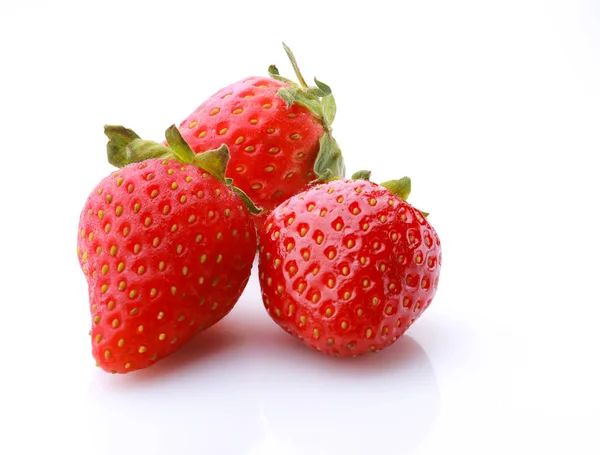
(290, 246)
(330, 341)
(160, 315)
(170, 171)
(203, 259)
(173, 228)
(238, 111)
(345, 271)
(270, 130)
(96, 319)
(125, 231)
(331, 254)
(319, 239)
(359, 312)
(132, 293)
(104, 288)
(419, 259)
(184, 271)
(269, 281)
(136, 208)
(111, 305)
(193, 124)
(279, 289)
(153, 292)
(302, 320)
(140, 328)
(274, 150)
(122, 286)
(338, 227)
(254, 121)
(98, 338)
(223, 131)
(291, 115)
(295, 136)
(161, 265)
(173, 290)
(388, 309)
(134, 311)
(119, 181)
(266, 106)
(182, 199)
(369, 333)
(372, 201)
(301, 287)
(383, 218)
(202, 134)
(269, 169)
(276, 234)
(227, 213)
(306, 255)
(256, 186)
(115, 323)
(219, 258)
(162, 337)
(239, 140)
(310, 207)
(344, 325)
(323, 212)
(215, 111)
(107, 354)
(121, 343)
(328, 312)
(365, 283)
(316, 333)
(391, 286)
(119, 210)
(346, 295)
(179, 249)
(315, 298)
(142, 349)
(375, 301)
(107, 228)
(128, 365)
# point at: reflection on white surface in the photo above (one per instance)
(246, 387)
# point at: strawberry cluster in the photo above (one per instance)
(168, 240)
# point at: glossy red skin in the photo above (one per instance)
(191, 299)
(267, 175)
(399, 256)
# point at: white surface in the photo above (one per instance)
(493, 109)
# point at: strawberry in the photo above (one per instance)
(349, 265)
(167, 247)
(278, 133)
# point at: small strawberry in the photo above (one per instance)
(278, 133)
(348, 266)
(167, 247)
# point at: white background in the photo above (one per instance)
(493, 109)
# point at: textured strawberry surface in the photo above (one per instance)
(273, 147)
(167, 250)
(347, 266)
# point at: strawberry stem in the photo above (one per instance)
(400, 187)
(294, 63)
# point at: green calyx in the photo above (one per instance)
(400, 187)
(126, 147)
(319, 100)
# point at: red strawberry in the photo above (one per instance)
(166, 247)
(348, 266)
(278, 132)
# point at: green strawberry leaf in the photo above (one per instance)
(329, 164)
(400, 187)
(329, 109)
(361, 175)
(125, 147)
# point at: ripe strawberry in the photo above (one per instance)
(166, 247)
(348, 266)
(278, 133)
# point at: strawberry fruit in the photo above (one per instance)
(278, 133)
(349, 265)
(166, 245)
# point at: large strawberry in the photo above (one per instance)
(166, 245)
(278, 133)
(348, 266)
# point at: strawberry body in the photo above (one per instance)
(347, 266)
(167, 250)
(273, 147)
